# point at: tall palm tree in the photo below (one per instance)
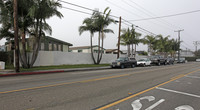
(32, 16)
(126, 39)
(89, 26)
(135, 39)
(40, 11)
(151, 42)
(163, 43)
(102, 21)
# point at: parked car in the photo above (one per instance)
(124, 62)
(181, 60)
(169, 60)
(144, 62)
(158, 60)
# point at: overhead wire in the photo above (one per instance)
(98, 11)
(165, 16)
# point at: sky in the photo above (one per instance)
(66, 29)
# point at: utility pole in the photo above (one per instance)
(16, 36)
(119, 36)
(179, 31)
(196, 43)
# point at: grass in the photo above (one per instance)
(57, 67)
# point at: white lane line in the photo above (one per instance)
(193, 77)
(156, 104)
(184, 93)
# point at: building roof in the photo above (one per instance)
(57, 40)
(81, 47)
(112, 50)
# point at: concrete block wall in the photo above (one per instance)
(47, 58)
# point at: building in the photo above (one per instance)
(85, 49)
(47, 44)
(186, 53)
(113, 51)
(2, 48)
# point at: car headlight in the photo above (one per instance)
(118, 63)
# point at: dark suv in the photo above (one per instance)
(123, 62)
(158, 60)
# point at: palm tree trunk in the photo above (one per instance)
(23, 54)
(92, 49)
(132, 50)
(102, 39)
(37, 44)
(98, 48)
(135, 51)
(128, 52)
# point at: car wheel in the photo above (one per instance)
(133, 65)
(144, 65)
(158, 63)
(122, 66)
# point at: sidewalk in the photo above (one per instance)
(12, 72)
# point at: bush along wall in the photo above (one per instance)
(7, 57)
(192, 58)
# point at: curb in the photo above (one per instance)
(53, 71)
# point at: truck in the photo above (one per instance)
(123, 62)
(158, 60)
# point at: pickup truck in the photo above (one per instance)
(158, 60)
(123, 62)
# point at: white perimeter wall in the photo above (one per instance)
(46, 58)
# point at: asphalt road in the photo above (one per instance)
(169, 87)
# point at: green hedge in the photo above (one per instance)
(192, 58)
(7, 57)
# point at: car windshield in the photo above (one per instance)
(121, 59)
(142, 60)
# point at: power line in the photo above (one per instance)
(77, 10)
(189, 12)
(100, 12)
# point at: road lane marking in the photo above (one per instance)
(85, 81)
(134, 95)
(193, 77)
(178, 92)
(155, 105)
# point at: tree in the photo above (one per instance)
(151, 42)
(102, 21)
(89, 26)
(126, 39)
(32, 20)
(135, 36)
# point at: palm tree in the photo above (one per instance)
(89, 26)
(151, 42)
(163, 43)
(135, 39)
(102, 21)
(40, 11)
(126, 39)
(32, 19)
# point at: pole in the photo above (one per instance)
(196, 43)
(119, 37)
(16, 36)
(179, 43)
